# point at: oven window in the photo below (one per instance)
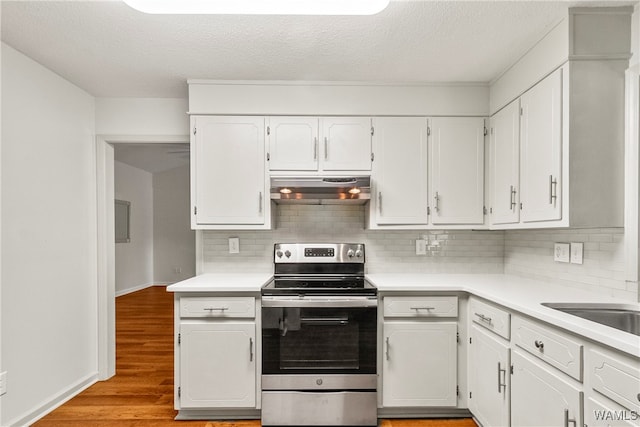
(328, 340)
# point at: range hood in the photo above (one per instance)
(321, 190)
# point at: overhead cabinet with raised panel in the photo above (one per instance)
(331, 145)
(229, 186)
(427, 172)
(557, 145)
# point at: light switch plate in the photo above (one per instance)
(577, 251)
(234, 245)
(561, 252)
(421, 247)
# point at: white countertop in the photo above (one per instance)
(513, 292)
(521, 295)
(241, 282)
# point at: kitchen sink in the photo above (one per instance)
(625, 317)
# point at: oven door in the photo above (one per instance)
(319, 335)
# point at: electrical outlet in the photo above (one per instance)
(421, 247)
(234, 245)
(177, 270)
(561, 252)
(577, 253)
(3, 383)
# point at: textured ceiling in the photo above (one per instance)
(109, 49)
(152, 158)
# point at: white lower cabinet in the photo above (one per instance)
(419, 364)
(542, 396)
(599, 412)
(489, 388)
(217, 365)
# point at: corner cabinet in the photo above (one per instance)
(331, 145)
(229, 186)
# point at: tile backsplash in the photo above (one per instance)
(529, 253)
(386, 251)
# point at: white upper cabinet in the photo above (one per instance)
(457, 170)
(346, 143)
(541, 150)
(504, 185)
(399, 172)
(334, 145)
(228, 181)
(293, 143)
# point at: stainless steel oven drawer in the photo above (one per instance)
(296, 408)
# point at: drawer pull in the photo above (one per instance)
(539, 345)
(567, 420)
(210, 309)
(483, 317)
(422, 308)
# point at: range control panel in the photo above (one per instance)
(318, 253)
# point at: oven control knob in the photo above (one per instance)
(319, 381)
(350, 253)
(358, 253)
(279, 253)
(287, 254)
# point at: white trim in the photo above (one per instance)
(106, 241)
(329, 83)
(135, 289)
(632, 176)
(54, 401)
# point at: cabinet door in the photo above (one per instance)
(457, 170)
(541, 150)
(229, 180)
(293, 144)
(345, 143)
(419, 364)
(399, 172)
(488, 378)
(217, 365)
(541, 396)
(505, 165)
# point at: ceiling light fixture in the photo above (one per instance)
(260, 7)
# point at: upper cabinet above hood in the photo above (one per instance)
(321, 190)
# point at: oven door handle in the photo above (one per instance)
(319, 302)
(325, 320)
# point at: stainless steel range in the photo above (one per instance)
(319, 320)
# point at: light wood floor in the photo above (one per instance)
(141, 392)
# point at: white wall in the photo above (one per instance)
(142, 116)
(49, 338)
(386, 251)
(174, 243)
(134, 260)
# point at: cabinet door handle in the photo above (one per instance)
(315, 148)
(260, 202)
(380, 202)
(326, 148)
(553, 190)
(502, 380)
(437, 199)
(250, 349)
(387, 348)
(539, 345)
(512, 198)
(567, 420)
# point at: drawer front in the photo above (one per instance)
(214, 307)
(616, 378)
(492, 318)
(421, 306)
(554, 347)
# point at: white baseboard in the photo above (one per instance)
(54, 402)
(134, 289)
